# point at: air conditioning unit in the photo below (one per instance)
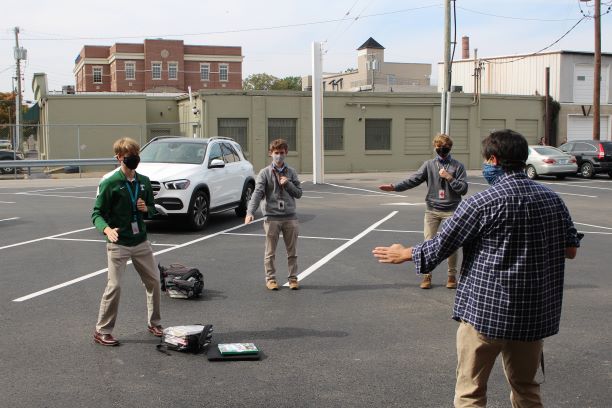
(456, 88)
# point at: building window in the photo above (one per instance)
(97, 75)
(283, 129)
(173, 70)
(223, 71)
(156, 69)
(130, 71)
(333, 134)
(236, 128)
(204, 72)
(378, 134)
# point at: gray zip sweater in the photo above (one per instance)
(268, 189)
(429, 173)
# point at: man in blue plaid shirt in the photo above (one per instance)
(515, 237)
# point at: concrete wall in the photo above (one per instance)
(415, 119)
(85, 126)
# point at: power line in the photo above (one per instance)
(514, 18)
(231, 31)
(537, 52)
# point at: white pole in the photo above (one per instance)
(448, 113)
(443, 111)
(317, 115)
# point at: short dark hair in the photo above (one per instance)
(509, 147)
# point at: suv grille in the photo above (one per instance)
(156, 187)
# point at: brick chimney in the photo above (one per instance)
(465, 47)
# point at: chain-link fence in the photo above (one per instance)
(81, 141)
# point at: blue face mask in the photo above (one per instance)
(491, 172)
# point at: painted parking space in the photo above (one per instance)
(353, 320)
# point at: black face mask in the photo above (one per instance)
(131, 162)
(443, 151)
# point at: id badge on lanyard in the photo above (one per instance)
(134, 199)
(442, 192)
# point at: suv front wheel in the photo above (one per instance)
(198, 214)
(587, 170)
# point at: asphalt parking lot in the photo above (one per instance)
(357, 334)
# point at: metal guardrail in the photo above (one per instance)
(57, 162)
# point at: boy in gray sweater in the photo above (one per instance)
(446, 183)
(278, 186)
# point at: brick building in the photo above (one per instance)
(157, 66)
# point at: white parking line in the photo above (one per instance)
(9, 219)
(557, 192)
(591, 225)
(372, 194)
(49, 189)
(101, 271)
(101, 240)
(43, 238)
(403, 204)
(363, 189)
(300, 236)
(56, 195)
(341, 248)
(7, 202)
(388, 230)
(577, 185)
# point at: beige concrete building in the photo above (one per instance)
(363, 132)
(374, 74)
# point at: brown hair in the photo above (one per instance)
(279, 144)
(126, 145)
(442, 139)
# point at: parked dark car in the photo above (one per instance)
(10, 155)
(593, 156)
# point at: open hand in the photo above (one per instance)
(394, 254)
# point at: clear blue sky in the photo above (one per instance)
(276, 36)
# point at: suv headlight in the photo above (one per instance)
(176, 184)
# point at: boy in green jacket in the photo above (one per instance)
(123, 199)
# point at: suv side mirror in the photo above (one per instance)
(216, 164)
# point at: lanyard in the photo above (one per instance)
(133, 197)
(277, 172)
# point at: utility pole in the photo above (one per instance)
(444, 105)
(19, 54)
(597, 71)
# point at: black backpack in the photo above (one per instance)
(180, 281)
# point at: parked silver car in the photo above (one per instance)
(550, 161)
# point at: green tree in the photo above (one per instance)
(261, 82)
(7, 107)
(291, 82)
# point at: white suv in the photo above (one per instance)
(197, 177)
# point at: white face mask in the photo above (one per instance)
(278, 158)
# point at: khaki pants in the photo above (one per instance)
(273, 228)
(431, 224)
(144, 263)
(476, 356)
